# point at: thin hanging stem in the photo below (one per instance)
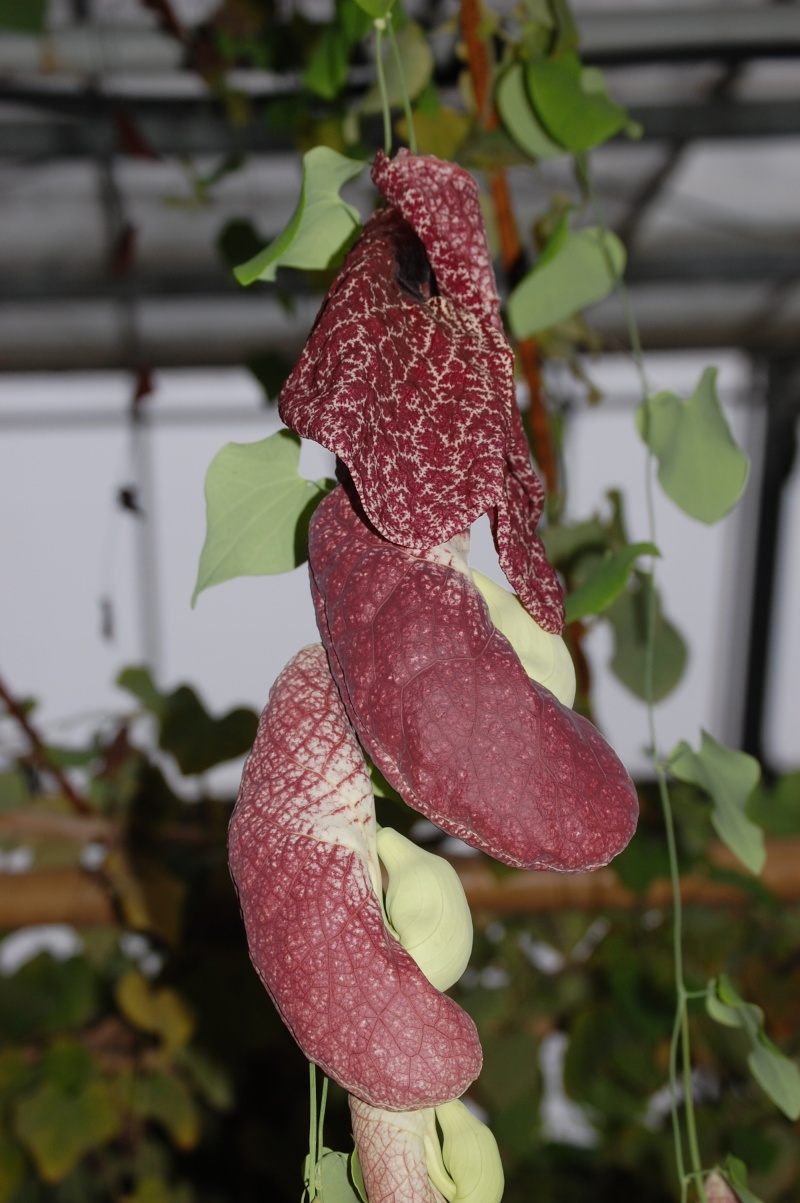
(312, 1132)
(380, 29)
(322, 1104)
(409, 116)
(680, 1034)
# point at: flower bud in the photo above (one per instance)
(427, 908)
(470, 1155)
(543, 656)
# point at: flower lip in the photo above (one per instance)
(440, 201)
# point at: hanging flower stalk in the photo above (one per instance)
(458, 690)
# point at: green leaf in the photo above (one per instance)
(777, 1076)
(326, 73)
(566, 544)
(196, 739)
(210, 1077)
(776, 808)
(699, 465)
(164, 1098)
(237, 241)
(158, 1010)
(23, 16)
(729, 777)
(375, 8)
(440, 133)
(139, 682)
(357, 1175)
(607, 580)
(58, 1126)
(152, 1189)
(46, 995)
(258, 507)
(270, 370)
(12, 1168)
(736, 1173)
(68, 1065)
(514, 106)
(584, 270)
(332, 1179)
(628, 616)
(354, 19)
(14, 790)
(416, 58)
(572, 103)
(322, 224)
(71, 758)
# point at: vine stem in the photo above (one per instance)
(380, 29)
(409, 116)
(312, 1132)
(680, 1041)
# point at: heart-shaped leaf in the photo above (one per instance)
(699, 465)
(258, 507)
(322, 224)
(159, 1010)
(585, 269)
(629, 616)
(58, 1126)
(514, 106)
(196, 739)
(729, 778)
(572, 103)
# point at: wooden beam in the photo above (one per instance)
(80, 898)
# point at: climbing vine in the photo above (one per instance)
(142, 1063)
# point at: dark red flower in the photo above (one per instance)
(301, 851)
(408, 378)
(445, 709)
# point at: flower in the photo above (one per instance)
(409, 379)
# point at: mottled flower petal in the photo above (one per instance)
(440, 200)
(410, 381)
(392, 1153)
(443, 706)
(302, 854)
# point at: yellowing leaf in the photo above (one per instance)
(321, 225)
(699, 465)
(149, 896)
(155, 1009)
(728, 777)
(258, 507)
(582, 272)
(440, 133)
(59, 1126)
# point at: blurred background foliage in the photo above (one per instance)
(148, 1063)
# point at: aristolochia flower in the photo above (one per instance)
(408, 378)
